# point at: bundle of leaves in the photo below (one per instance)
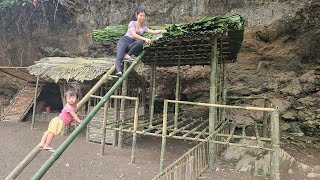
(114, 33)
(207, 26)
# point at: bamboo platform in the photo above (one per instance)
(228, 132)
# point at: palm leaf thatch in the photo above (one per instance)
(79, 69)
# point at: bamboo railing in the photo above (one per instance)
(189, 166)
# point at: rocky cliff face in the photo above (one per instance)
(278, 59)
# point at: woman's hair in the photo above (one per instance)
(136, 13)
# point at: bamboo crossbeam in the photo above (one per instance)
(182, 128)
(171, 126)
(246, 97)
(223, 106)
(202, 133)
(219, 129)
(154, 127)
(195, 128)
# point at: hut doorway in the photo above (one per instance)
(49, 103)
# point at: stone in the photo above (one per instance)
(289, 116)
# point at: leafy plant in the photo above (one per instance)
(9, 3)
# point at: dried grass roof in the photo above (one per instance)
(79, 68)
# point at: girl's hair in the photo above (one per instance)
(136, 13)
(73, 90)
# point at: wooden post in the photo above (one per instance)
(265, 118)
(176, 107)
(164, 133)
(103, 129)
(34, 104)
(213, 100)
(123, 105)
(116, 118)
(275, 141)
(135, 128)
(153, 89)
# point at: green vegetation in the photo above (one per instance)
(8, 3)
(205, 27)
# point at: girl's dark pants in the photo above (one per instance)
(127, 45)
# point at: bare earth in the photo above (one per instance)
(82, 160)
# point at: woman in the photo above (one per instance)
(132, 42)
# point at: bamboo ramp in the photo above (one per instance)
(20, 104)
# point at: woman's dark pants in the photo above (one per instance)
(127, 45)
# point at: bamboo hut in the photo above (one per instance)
(57, 73)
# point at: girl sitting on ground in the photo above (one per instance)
(57, 124)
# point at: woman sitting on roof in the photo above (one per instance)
(132, 41)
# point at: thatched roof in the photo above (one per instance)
(80, 69)
(18, 72)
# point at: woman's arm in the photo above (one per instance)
(75, 117)
(151, 31)
(137, 36)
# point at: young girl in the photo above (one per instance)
(132, 41)
(64, 119)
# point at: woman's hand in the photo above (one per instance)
(148, 41)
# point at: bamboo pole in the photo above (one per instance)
(123, 105)
(23, 164)
(103, 79)
(202, 133)
(244, 130)
(116, 118)
(257, 133)
(213, 100)
(103, 129)
(223, 106)
(153, 90)
(172, 125)
(265, 118)
(275, 136)
(182, 128)
(194, 129)
(135, 128)
(176, 106)
(164, 133)
(234, 125)
(34, 104)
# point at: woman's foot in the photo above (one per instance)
(119, 74)
(128, 58)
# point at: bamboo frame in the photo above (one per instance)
(123, 105)
(213, 100)
(153, 88)
(103, 129)
(34, 104)
(176, 106)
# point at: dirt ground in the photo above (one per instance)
(81, 160)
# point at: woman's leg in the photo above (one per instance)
(121, 50)
(135, 48)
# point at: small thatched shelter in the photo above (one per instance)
(66, 68)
